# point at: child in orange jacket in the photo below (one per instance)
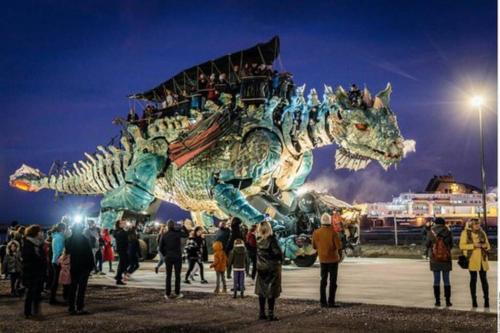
(219, 265)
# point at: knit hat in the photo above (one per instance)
(325, 219)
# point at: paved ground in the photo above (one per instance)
(400, 282)
(121, 310)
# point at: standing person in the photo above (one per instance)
(440, 241)
(269, 261)
(33, 269)
(327, 243)
(235, 234)
(170, 248)
(92, 234)
(222, 235)
(99, 253)
(134, 251)
(475, 246)
(12, 266)
(252, 250)
(58, 240)
(81, 264)
(65, 274)
(425, 232)
(107, 252)
(237, 260)
(219, 265)
(47, 249)
(163, 229)
(194, 253)
(121, 238)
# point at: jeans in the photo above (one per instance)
(239, 280)
(484, 283)
(77, 290)
(437, 278)
(56, 268)
(220, 277)
(161, 261)
(175, 264)
(98, 260)
(328, 270)
(193, 262)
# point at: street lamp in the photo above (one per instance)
(477, 102)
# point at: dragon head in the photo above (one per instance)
(27, 179)
(365, 128)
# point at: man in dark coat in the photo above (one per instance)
(81, 264)
(170, 248)
(121, 238)
(223, 235)
(440, 241)
(33, 270)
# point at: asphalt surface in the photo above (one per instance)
(383, 281)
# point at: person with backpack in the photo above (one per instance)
(440, 241)
(475, 246)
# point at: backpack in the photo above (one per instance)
(440, 251)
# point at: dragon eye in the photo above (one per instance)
(361, 127)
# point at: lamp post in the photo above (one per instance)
(477, 102)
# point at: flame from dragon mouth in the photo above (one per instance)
(22, 185)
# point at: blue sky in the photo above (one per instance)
(67, 67)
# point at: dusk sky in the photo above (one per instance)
(67, 67)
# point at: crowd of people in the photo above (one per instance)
(38, 262)
(252, 82)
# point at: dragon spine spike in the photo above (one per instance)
(90, 157)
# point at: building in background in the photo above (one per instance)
(443, 197)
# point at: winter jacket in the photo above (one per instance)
(269, 259)
(92, 235)
(121, 238)
(251, 241)
(57, 246)
(34, 263)
(82, 258)
(107, 253)
(222, 235)
(327, 242)
(12, 263)
(65, 273)
(238, 257)
(220, 258)
(170, 244)
(478, 257)
(432, 237)
(193, 250)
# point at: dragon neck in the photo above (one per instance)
(307, 126)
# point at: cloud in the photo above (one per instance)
(369, 185)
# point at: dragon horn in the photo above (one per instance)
(385, 95)
(367, 97)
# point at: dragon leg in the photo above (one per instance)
(232, 202)
(136, 194)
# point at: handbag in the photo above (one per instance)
(463, 261)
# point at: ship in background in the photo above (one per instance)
(443, 196)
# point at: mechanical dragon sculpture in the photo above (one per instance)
(261, 152)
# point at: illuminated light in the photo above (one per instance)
(78, 218)
(157, 224)
(477, 101)
(21, 185)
